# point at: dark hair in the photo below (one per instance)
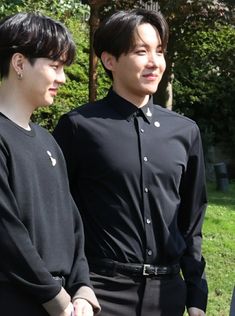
(115, 34)
(35, 36)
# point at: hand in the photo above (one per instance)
(82, 307)
(193, 311)
(68, 311)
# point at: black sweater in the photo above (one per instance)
(41, 233)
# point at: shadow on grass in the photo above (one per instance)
(219, 197)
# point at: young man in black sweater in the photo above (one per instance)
(43, 269)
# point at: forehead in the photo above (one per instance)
(146, 34)
(47, 60)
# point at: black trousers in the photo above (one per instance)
(140, 296)
(14, 301)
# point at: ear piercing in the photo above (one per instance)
(19, 76)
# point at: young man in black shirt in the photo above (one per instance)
(136, 172)
(43, 269)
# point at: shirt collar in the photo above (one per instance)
(128, 110)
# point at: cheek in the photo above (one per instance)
(163, 65)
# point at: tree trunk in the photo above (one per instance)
(93, 60)
(164, 94)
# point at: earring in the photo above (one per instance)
(19, 76)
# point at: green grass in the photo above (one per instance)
(219, 249)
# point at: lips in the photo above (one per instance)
(150, 76)
(53, 91)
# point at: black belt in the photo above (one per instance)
(110, 268)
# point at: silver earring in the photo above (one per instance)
(19, 76)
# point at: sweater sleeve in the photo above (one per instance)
(22, 265)
(191, 216)
(78, 282)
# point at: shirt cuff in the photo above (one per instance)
(88, 294)
(58, 304)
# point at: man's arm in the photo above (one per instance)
(191, 216)
(22, 264)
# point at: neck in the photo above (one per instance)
(14, 108)
(137, 100)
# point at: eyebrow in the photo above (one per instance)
(144, 45)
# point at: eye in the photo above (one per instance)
(55, 66)
(141, 52)
(159, 51)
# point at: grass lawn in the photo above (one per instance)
(219, 249)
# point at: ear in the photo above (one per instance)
(108, 61)
(17, 62)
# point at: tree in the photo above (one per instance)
(94, 21)
(205, 81)
(184, 18)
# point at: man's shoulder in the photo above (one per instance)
(90, 107)
(86, 111)
(172, 115)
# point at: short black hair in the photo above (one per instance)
(115, 34)
(35, 36)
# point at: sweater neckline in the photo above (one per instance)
(30, 132)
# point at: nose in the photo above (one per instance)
(155, 60)
(61, 78)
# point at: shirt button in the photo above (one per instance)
(146, 190)
(148, 221)
(145, 158)
(142, 130)
(150, 252)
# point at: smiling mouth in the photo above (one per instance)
(53, 92)
(150, 76)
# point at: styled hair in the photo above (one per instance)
(115, 34)
(35, 36)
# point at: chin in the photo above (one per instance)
(151, 89)
(45, 104)
(49, 101)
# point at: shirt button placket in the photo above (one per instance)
(142, 132)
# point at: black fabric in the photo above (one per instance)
(41, 231)
(137, 176)
(14, 301)
(139, 296)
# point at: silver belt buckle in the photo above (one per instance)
(144, 269)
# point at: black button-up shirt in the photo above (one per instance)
(137, 176)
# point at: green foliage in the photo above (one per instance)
(204, 84)
(8, 7)
(62, 9)
(219, 249)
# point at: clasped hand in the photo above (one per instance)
(80, 307)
